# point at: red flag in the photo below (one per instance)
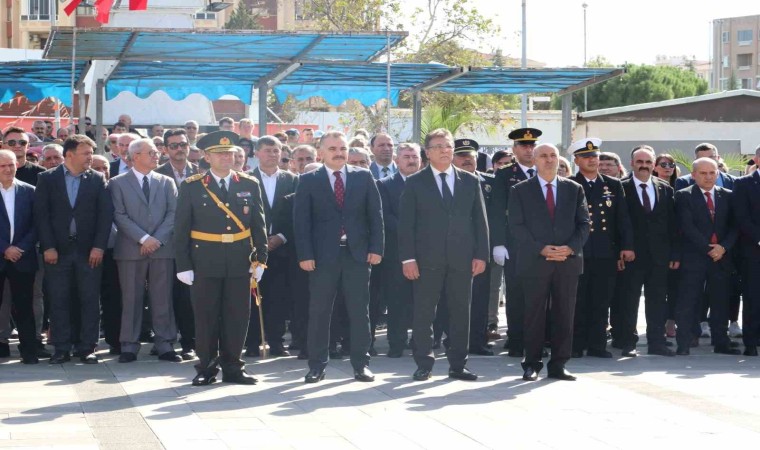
(71, 7)
(104, 10)
(138, 5)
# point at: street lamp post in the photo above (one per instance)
(524, 65)
(585, 90)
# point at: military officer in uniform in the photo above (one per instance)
(221, 243)
(610, 241)
(502, 241)
(466, 158)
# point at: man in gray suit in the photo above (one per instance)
(144, 205)
(443, 244)
(549, 219)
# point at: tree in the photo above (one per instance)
(733, 82)
(352, 15)
(243, 19)
(451, 117)
(640, 84)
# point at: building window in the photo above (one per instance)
(725, 37)
(725, 62)
(724, 84)
(744, 37)
(746, 83)
(205, 16)
(744, 60)
(36, 9)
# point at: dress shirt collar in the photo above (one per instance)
(141, 175)
(218, 179)
(274, 175)
(711, 191)
(66, 171)
(649, 183)
(12, 186)
(331, 172)
(449, 172)
(526, 168)
(544, 182)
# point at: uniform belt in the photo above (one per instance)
(223, 238)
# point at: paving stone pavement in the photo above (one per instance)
(698, 401)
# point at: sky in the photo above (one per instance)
(632, 31)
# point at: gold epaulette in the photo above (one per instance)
(248, 176)
(192, 178)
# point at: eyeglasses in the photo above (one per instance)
(667, 165)
(441, 147)
(159, 144)
(176, 145)
(14, 142)
(285, 160)
(151, 153)
(88, 123)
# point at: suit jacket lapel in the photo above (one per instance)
(349, 183)
(323, 180)
(720, 202)
(155, 186)
(136, 186)
(62, 189)
(84, 182)
(433, 186)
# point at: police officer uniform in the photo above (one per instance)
(220, 236)
(611, 232)
(504, 179)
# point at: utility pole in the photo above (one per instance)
(585, 89)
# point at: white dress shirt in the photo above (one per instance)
(332, 178)
(270, 185)
(449, 179)
(226, 180)
(526, 168)
(139, 183)
(9, 198)
(543, 184)
(650, 191)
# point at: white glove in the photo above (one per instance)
(258, 273)
(186, 277)
(500, 254)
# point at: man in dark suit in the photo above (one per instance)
(400, 301)
(708, 235)
(73, 213)
(220, 240)
(338, 223)
(275, 184)
(549, 219)
(502, 240)
(610, 239)
(706, 150)
(144, 207)
(443, 244)
(17, 141)
(655, 242)
(17, 242)
(746, 196)
(121, 164)
(465, 158)
(179, 168)
(383, 166)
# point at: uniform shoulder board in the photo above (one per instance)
(487, 175)
(195, 177)
(507, 166)
(247, 176)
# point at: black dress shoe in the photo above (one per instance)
(30, 359)
(482, 351)
(629, 353)
(726, 350)
(463, 374)
(530, 374)
(252, 352)
(598, 353)
(170, 356)
(314, 376)
(114, 351)
(734, 344)
(5, 350)
(78, 353)
(372, 351)
(661, 351)
(188, 355)
(206, 377)
(60, 357)
(576, 354)
(561, 374)
(421, 375)
(127, 357)
(363, 374)
(750, 351)
(513, 353)
(682, 351)
(89, 358)
(395, 353)
(278, 350)
(303, 354)
(241, 377)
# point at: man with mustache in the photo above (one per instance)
(655, 243)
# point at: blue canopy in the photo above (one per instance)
(512, 80)
(37, 79)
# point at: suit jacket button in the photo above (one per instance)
(229, 228)
(592, 230)
(604, 228)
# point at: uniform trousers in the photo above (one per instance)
(481, 297)
(274, 304)
(515, 307)
(595, 289)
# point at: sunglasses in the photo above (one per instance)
(285, 160)
(13, 142)
(177, 145)
(667, 165)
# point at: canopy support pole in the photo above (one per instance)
(567, 121)
(100, 90)
(263, 91)
(82, 107)
(417, 117)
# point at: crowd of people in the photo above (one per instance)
(215, 246)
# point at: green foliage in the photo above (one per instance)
(733, 82)
(352, 15)
(242, 19)
(641, 84)
(452, 117)
(734, 162)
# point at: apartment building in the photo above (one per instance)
(736, 52)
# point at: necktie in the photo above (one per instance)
(340, 193)
(550, 200)
(146, 187)
(447, 196)
(711, 208)
(591, 185)
(645, 198)
(223, 187)
(530, 173)
(385, 172)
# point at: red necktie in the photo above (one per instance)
(550, 200)
(711, 208)
(340, 192)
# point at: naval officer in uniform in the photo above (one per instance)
(221, 243)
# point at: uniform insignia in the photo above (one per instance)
(235, 177)
(224, 141)
(244, 194)
(528, 135)
(487, 188)
(590, 145)
(192, 178)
